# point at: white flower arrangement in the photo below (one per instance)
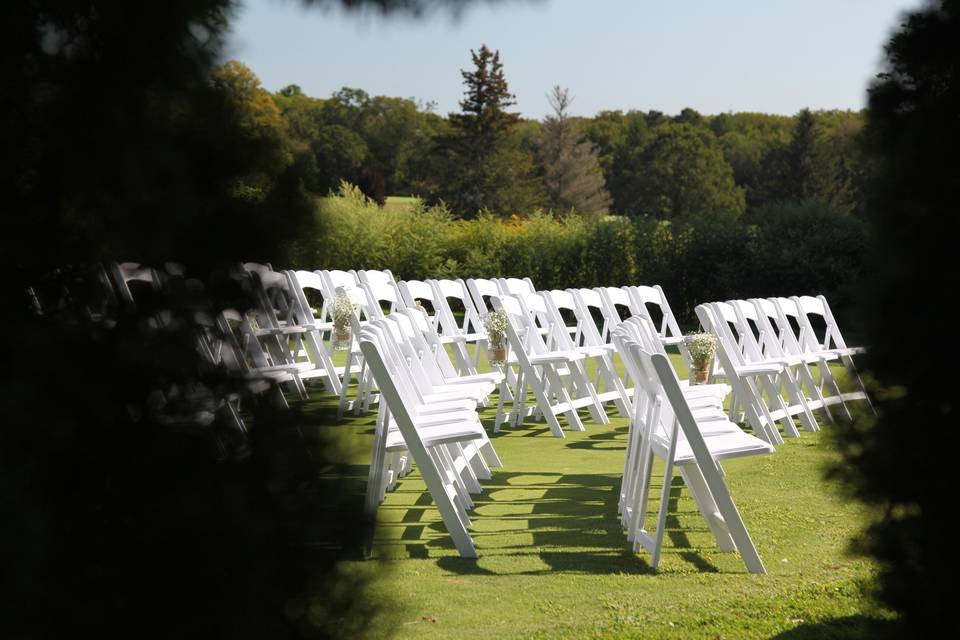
(495, 324)
(701, 347)
(343, 310)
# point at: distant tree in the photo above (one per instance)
(903, 463)
(572, 176)
(800, 158)
(476, 167)
(679, 171)
(625, 163)
(604, 131)
(260, 121)
(655, 118)
(689, 116)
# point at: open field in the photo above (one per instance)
(555, 563)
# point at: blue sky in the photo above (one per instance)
(773, 56)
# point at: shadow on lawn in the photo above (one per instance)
(610, 440)
(849, 628)
(572, 519)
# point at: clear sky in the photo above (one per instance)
(773, 56)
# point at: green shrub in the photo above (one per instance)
(784, 249)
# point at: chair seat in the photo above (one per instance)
(555, 357)
(448, 433)
(731, 444)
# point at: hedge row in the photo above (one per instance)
(797, 248)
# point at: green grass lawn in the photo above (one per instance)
(554, 561)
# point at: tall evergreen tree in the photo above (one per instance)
(481, 169)
(572, 175)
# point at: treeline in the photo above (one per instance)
(485, 157)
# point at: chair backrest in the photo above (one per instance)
(589, 305)
(240, 335)
(124, 273)
(617, 305)
(728, 351)
(373, 276)
(412, 291)
(816, 311)
(482, 289)
(763, 317)
(793, 318)
(539, 312)
(780, 322)
(446, 290)
(756, 342)
(561, 302)
(522, 331)
(515, 286)
(380, 292)
(335, 279)
(652, 302)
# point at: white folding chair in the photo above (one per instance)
(365, 311)
(314, 340)
(664, 427)
(545, 372)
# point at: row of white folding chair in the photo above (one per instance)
(757, 384)
(378, 293)
(431, 394)
(793, 383)
(760, 334)
(429, 376)
(286, 324)
(814, 349)
(557, 378)
(664, 425)
(225, 340)
(766, 345)
(250, 356)
(434, 436)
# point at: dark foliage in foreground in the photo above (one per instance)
(903, 462)
(126, 512)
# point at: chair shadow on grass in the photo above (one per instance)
(573, 522)
(610, 440)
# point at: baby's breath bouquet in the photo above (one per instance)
(495, 325)
(701, 347)
(342, 313)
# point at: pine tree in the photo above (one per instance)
(482, 168)
(572, 175)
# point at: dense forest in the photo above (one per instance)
(485, 157)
